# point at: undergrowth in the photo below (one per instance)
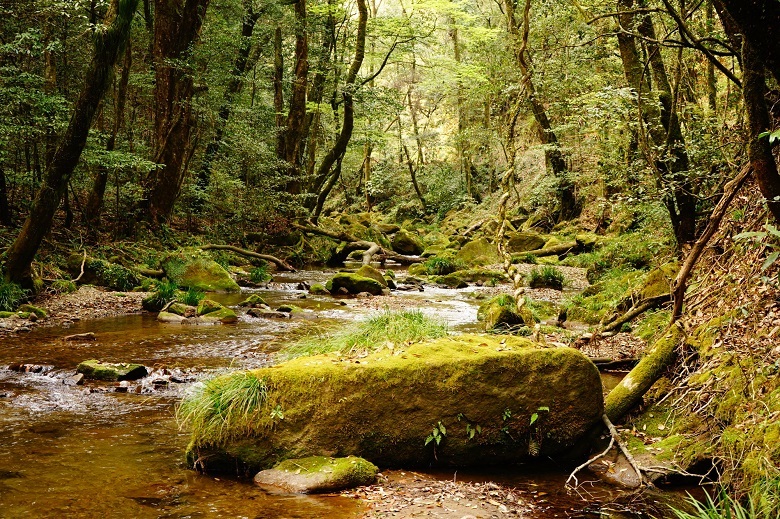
(260, 274)
(763, 502)
(388, 327)
(546, 277)
(440, 266)
(11, 296)
(223, 407)
(192, 296)
(164, 293)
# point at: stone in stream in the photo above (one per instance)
(97, 370)
(267, 313)
(193, 268)
(367, 271)
(354, 284)
(458, 401)
(318, 474)
(88, 336)
(404, 242)
(253, 301)
(75, 380)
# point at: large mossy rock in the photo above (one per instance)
(195, 269)
(318, 474)
(479, 392)
(96, 370)
(211, 311)
(367, 271)
(502, 312)
(404, 242)
(354, 284)
(479, 252)
(524, 241)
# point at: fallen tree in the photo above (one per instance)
(372, 250)
(280, 264)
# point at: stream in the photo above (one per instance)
(90, 451)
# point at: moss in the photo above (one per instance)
(96, 370)
(192, 268)
(6, 315)
(102, 273)
(253, 301)
(405, 242)
(223, 315)
(208, 306)
(383, 406)
(524, 241)
(479, 252)
(181, 309)
(703, 337)
(652, 325)
(502, 312)
(367, 271)
(418, 269)
(290, 309)
(23, 315)
(354, 284)
(317, 474)
(318, 289)
(32, 309)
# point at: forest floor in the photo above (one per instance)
(407, 495)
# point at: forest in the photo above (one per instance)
(370, 212)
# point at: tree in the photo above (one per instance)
(109, 40)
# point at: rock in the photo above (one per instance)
(206, 306)
(192, 268)
(479, 252)
(222, 315)
(168, 317)
(390, 283)
(182, 310)
(354, 284)
(387, 228)
(404, 242)
(318, 289)
(364, 295)
(290, 309)
(658, 282)
(253, 301)
(38, 312)
(501, 312)
(418, 269)
(524, 241)
(367, 271)
(96, 370)
(267, 313)
(28, 368)
(385, 407)
(318, 474)
(88, 336)
(342, 291)
(75, 380)
(22, 329)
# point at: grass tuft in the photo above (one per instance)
(441, 266)
(763, 502)
(223, 407)
(547, 277)
(192, 297)
(260, 274)
(11, 296)
(376, 332)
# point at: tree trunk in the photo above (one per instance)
(759, 22)
(177, 24)
(95, 199)
(236, 83)
(109, 42)
(5, 208)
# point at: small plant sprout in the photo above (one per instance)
(535, 416)
(277, 413)
(438, 433)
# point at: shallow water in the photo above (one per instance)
(78, 451)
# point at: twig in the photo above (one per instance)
(83, 262)
(624, 450)
(587, 463)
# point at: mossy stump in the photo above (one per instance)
(384, 406)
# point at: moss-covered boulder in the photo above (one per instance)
(387, 228)
(253, 301)
(405, 242)
(479, 252)
(657, 283)
(223, 315)
(96, 370)
(170, 318)
(32, 309)
(367, 271)
(290, 309)
(182, 310)
(206, 306)
(417, 269)
(354, 284)
(192, 268)
(478, 275)
(479, 393)
(524, 241)
(318, 474)
(318, 289)
(502, 312)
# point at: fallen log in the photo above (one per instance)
(372, 249)
(281, 264)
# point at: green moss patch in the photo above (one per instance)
(382, 407)
(354, 284)
(318, 474)
(192, 268)
(97, 370)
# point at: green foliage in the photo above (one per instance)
(260, 274)
(597, 301)
(164, 293)
(11, 296)
(440, 265)
(379, 331)
(192, 296)
(63, 286)
(525, 257)
(437, 435)
(115, 276)
(546, 277)
(763, 502)
(770, 238)
(235, 400)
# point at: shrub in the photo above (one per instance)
(440, 266)
(63, 286)
(547, 277)
(11, 295)
(163, 294)
(192, 296)
(376, 332)
(260, 274)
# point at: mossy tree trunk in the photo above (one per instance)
(110, 39)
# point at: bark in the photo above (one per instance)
(95, 199)
(569, 206)
(759, 149)
(336, 153)
(109, 42)
(290, 142)
(177, 25)
(663, 126)
(759, 22)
